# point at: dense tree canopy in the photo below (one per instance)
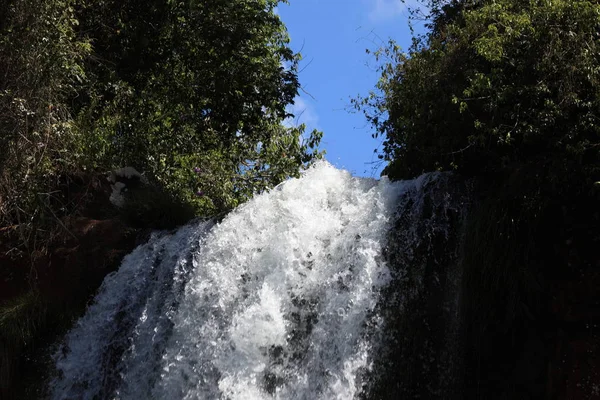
(193, 93)
(491, 85)
(199, 84)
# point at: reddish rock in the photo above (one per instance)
(78, 266)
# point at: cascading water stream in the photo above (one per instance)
(274, 302)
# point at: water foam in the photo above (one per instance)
(272, 303)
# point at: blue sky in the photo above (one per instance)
(332, 36)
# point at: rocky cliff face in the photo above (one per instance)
(423, 357)
(43, 289)
(573, 330)
(531, 301)
(489, 303)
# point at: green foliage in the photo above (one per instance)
(159, 85)
(198, 82)
(41, 68)
(492, 85)
(223, 182)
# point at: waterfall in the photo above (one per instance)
(279, 300)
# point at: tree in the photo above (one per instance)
(197, 82)
(493, 84)
(160, 85)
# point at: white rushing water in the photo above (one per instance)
(274, 302)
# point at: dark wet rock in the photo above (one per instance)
(422, 354)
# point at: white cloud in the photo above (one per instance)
(382, 10)
(304, 113)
